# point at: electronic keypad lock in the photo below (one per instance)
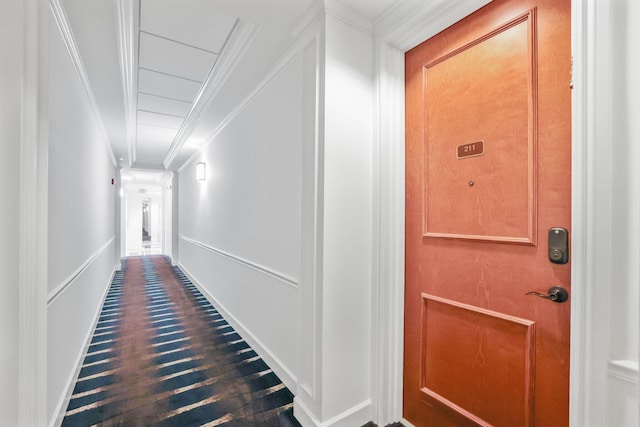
(558, 245)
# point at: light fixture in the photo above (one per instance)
(201, 172)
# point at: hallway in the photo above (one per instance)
(161, 355)
(278, 131)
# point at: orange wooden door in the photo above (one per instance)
(488, 172)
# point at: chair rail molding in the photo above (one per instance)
(282, 277)
(66, 283)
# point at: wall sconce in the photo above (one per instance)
(201, 172)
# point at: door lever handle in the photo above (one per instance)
(555, 294)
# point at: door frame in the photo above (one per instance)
(397, 31)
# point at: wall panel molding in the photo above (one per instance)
(282, 277)
(66, 32)
(66, 283)
(311, 247)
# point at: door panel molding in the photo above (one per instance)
(500, 183)
(457, 339)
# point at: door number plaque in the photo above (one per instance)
(471, 149)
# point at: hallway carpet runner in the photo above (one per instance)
(162, 355)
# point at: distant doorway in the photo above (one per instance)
(151, 238)
(146, 215)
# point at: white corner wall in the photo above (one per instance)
(81, 237)
(12, 58)
(239, 231)
(347, 220)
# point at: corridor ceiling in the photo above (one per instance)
(166, 75)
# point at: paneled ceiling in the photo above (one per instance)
(167, 73)
(178, 45)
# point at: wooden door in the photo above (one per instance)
(488, 174)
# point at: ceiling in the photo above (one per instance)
(166, 73)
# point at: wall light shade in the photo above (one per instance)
(201, 171)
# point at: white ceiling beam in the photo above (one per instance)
(126, 24)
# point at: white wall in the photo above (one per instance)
(346, 343)
(241, 234)
(81, 238)
(335, 387)
(11, 58)
(624, 301)
(240, 229)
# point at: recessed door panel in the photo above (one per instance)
(482, 165)
(477, 363)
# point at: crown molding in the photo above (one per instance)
(241, 37)
(308, 19)
(342, 12)
(126, 29)
(409, 23)
(338, 9)
(63, 25)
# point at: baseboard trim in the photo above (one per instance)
(60, 410)
(406, 423)
(355, 416)
(285, 374)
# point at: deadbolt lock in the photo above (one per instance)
(558, 245)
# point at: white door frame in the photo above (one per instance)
(396, 32)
